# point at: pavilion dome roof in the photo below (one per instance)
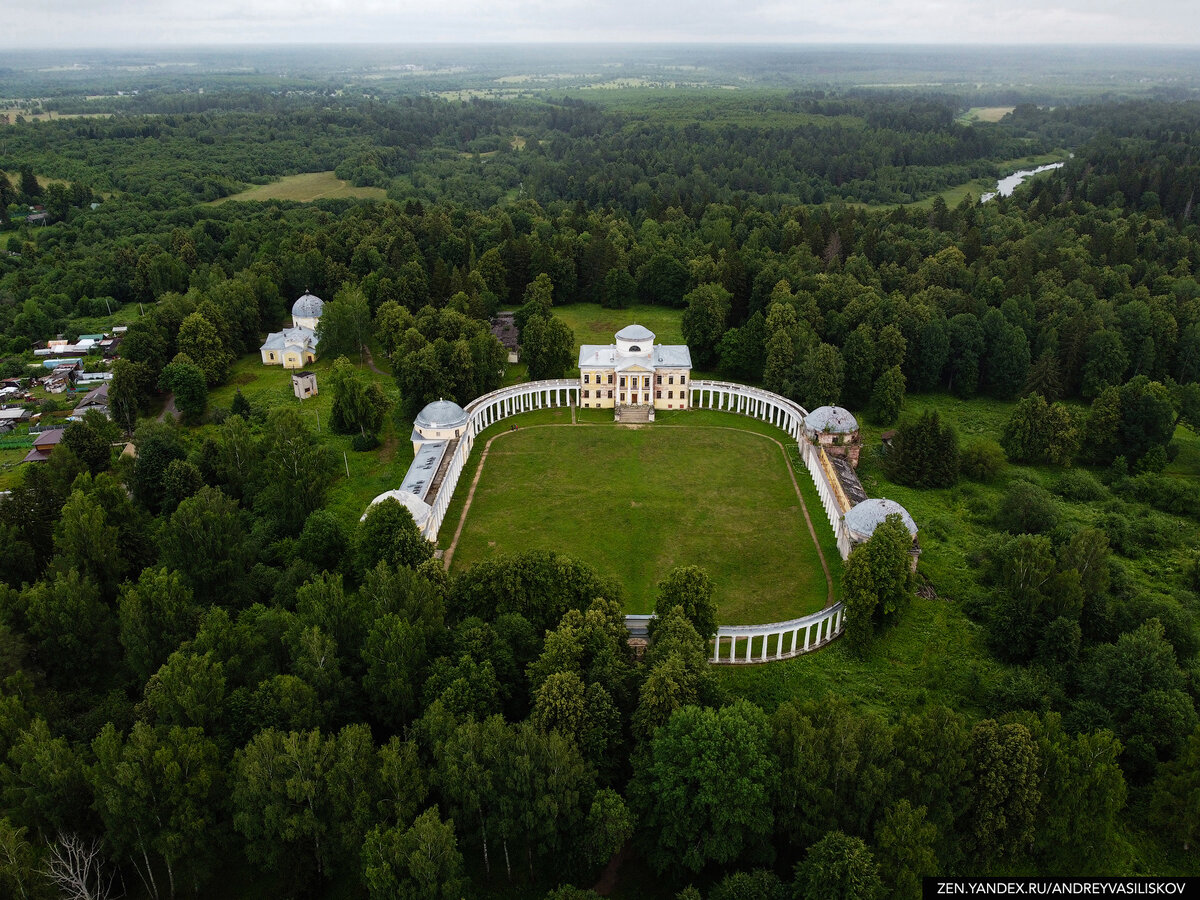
(308, 306)
(415, 505)
(865, 517)
(441, 414)
(833, 419)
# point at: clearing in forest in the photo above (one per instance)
(307, 187)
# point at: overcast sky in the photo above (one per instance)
(92, 23)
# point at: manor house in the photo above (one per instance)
(634, 372)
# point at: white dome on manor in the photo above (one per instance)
(832, 419)
(308, 306)
(635, 333)
(441, 414)
(865, 517)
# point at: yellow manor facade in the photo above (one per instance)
(634, 371)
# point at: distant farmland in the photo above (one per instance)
(306, 187)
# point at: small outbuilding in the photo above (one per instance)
(304, 385)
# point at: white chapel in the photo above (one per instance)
(295, 347)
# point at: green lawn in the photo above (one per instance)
(593, 324)
(121, 315)
(635, 502)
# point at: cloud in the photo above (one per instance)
(147, 22)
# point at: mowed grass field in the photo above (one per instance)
(307, 187)
(636, 502)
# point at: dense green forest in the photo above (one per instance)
(216, 681)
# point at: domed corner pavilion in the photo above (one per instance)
(441, 420)
(836, 430)
(419, 508)
(863, 518)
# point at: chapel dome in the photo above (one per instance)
(866, 516)
(308, 306)
(831, 419)
(441, 414)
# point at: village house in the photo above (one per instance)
(96, 399)
(43, 445)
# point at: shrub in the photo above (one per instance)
(983, 460)
(761, 884)
(1080, 486)
(924, 453)
(364, 442)
(1027, 509)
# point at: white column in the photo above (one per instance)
(766, 640)
(807, 631)
(717, 647)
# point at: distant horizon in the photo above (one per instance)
(553, 42)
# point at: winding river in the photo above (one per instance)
(1005, 186)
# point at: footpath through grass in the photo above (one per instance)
(636, 502)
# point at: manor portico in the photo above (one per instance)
(634, 371)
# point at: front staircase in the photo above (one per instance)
(634, 415)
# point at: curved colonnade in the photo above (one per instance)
(733, 643)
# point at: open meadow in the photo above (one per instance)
(594, 324)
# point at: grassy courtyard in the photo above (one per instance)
(636, 502)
